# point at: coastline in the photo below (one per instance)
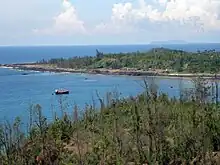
(50, 68)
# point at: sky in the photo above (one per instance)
(99, 22)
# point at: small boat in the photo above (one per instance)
(61, 91)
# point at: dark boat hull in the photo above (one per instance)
(61, 93)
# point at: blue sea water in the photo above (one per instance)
(18, 91)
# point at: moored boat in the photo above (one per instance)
(61, 91)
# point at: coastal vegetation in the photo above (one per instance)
(150, 129)
(157, 59)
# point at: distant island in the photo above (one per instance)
(155, 62)
(170, 42)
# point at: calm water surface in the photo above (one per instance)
(19, 91)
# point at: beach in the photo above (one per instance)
(105, 71)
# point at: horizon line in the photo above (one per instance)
(151, 43)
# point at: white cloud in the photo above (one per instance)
(199, 12)
(193, 14)
(122, 17)
(173, 19)
(66, 23)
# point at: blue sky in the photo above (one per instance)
(76, 22)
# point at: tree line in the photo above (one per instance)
(157, 58)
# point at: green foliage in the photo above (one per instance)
(158, 58)
(148, 128)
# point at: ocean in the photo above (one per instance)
(19, 91)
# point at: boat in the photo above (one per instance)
(61, 91)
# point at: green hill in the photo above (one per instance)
(158, 58)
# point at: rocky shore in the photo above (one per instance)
(51, 68)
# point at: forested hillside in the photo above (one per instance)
(158, 58)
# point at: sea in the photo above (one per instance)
(20, 90)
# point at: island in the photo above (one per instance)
(155, 62)
(169, 42)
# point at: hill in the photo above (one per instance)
(174, 61)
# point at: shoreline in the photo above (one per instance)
(139, 73)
